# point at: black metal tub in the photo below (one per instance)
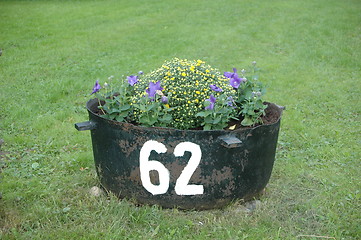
(187, 169)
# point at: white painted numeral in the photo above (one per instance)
(145, 166)
(181, 186)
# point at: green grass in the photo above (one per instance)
(53, 51)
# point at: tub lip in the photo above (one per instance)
(93, 101)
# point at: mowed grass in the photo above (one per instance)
(53, 51)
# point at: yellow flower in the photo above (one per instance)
(198, 92)
(184, 74)
(207, 71)
(166, 105)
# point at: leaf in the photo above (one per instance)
(140, 107)
(124, 107)
(152, 121)
(250, 112)
(208, 120)
(259, 105)
(145, 120)
(112, 116)
(119, 118)
(248, 92)
(247, 121)
(167, 118)
(201, 114)
(218, 126)
(150, 107)
(207, 103)
(217, 120)
(207, 127)
(123, 114)
(222, 110)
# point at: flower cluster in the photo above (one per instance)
(184, 94)
(186, 84)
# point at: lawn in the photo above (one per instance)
(53, 51)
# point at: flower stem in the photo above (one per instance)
(101, 106)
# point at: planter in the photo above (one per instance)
(187, 169)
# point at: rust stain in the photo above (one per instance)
(154, 177)
(175, 169)
(135, 176)
(223, 175)
(126, 147)
(220, 175)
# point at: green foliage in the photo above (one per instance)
(220, 115)
(153, 113)
(249, 97)
(185, 85)
(115, 104)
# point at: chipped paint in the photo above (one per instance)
(227, 174)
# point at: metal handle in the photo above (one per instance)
(230, 141)
(83, 126)
(281, 107)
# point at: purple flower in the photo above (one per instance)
(132, 80)
(96, 87)
(164, 99)
(234, 80)
(212, 101)
(231, 74)
(215, 88)
(152, 89)
(140, 72)
(230, 101)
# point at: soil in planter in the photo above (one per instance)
(271, 116)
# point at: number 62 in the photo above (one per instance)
(181, 187)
